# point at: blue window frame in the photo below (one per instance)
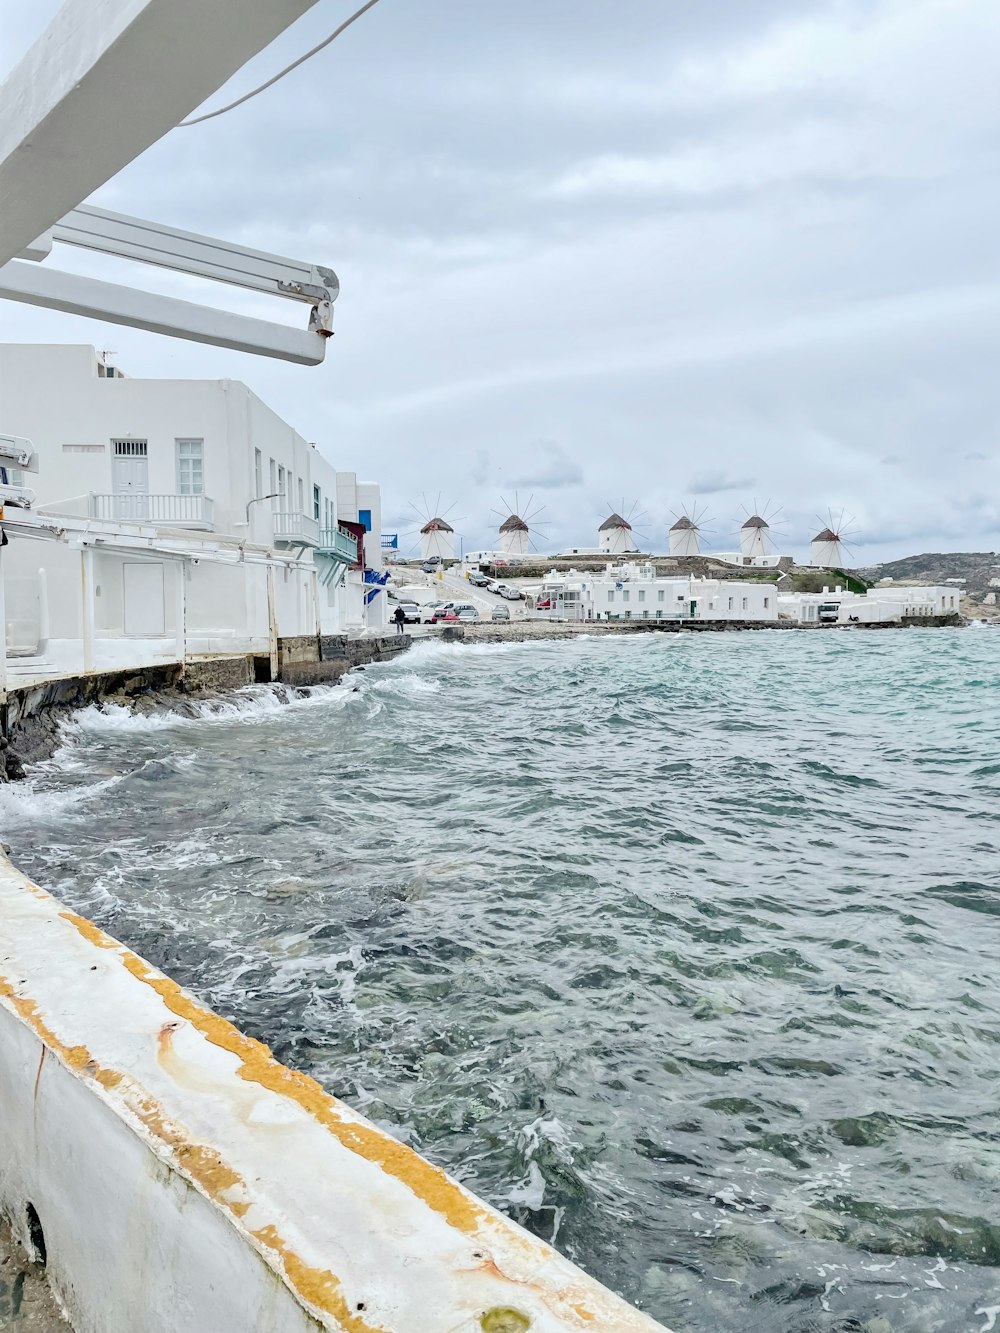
(365, 519)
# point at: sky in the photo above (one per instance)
(636, 253)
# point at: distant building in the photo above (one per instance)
(615, 537)
(630, 591)
(879, 605)
(437, 540)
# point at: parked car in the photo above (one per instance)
(478, 580)
(429, 609)
(501, 613)
(468, 613)
(443, 613)
(511, 594)
(428, 567)
(543, 606)
(411, 612)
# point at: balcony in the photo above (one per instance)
(337, 552)
(339, 543)
(295, 530)
(173, 511)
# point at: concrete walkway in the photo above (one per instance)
(26, 1304)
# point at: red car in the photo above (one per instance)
(446, 613)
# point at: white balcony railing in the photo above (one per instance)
(177, 511)
(295, 530)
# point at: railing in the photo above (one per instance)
(182, 511)
(296, 530)
(340, 543)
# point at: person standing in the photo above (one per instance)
(399, 616)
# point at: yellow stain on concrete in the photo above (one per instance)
(318, 1288)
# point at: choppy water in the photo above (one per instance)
(682, 950)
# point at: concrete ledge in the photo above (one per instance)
(186, 1182)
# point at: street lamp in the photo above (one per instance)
(257, 499)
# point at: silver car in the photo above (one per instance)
(467, 613)
(501, 613)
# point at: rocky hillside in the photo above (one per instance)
(979, 569)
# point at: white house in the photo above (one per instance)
(186, 511)
(630, 591)
(879, 605)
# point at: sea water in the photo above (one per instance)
(682, 950)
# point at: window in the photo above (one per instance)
(83, 448)
(302, 498)
(272, 475)
(258, 473)
(281, 484)
(130, 448)
(660, 595)
(625, 596)
(767, 602)
(642, 596)
(611, 597)
(365, 519)
(744, 603)
(730, 603)
(190, 467)
(316, 503)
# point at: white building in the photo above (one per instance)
(826, 551)
(175, 512)
(877, 606)
(437, 540)
(514, 536)
(615, 536)
(634, 592)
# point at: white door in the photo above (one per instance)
(130, 479)
(143, 589)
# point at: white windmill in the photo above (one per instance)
(829, 548)
(435, 535)
(515, 530)
(756, 542)
(684, 538)
(616, 535)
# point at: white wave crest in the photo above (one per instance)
(254, 704)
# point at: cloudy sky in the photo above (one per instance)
(636, 251)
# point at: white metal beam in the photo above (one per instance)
(76, 295)
(104, 81)
(188, 252)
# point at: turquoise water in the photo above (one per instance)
(682, 950)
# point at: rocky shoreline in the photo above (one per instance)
(33, 715)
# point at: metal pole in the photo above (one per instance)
(87, 606)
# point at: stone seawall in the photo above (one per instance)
(31, 715)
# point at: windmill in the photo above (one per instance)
(684, 537)
(516, 531)
(616, 535)
(829, 547)
(755, 533)
(435, 536)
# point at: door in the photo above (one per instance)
(143, 592)
(130, 479)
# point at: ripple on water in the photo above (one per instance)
(679, 949)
